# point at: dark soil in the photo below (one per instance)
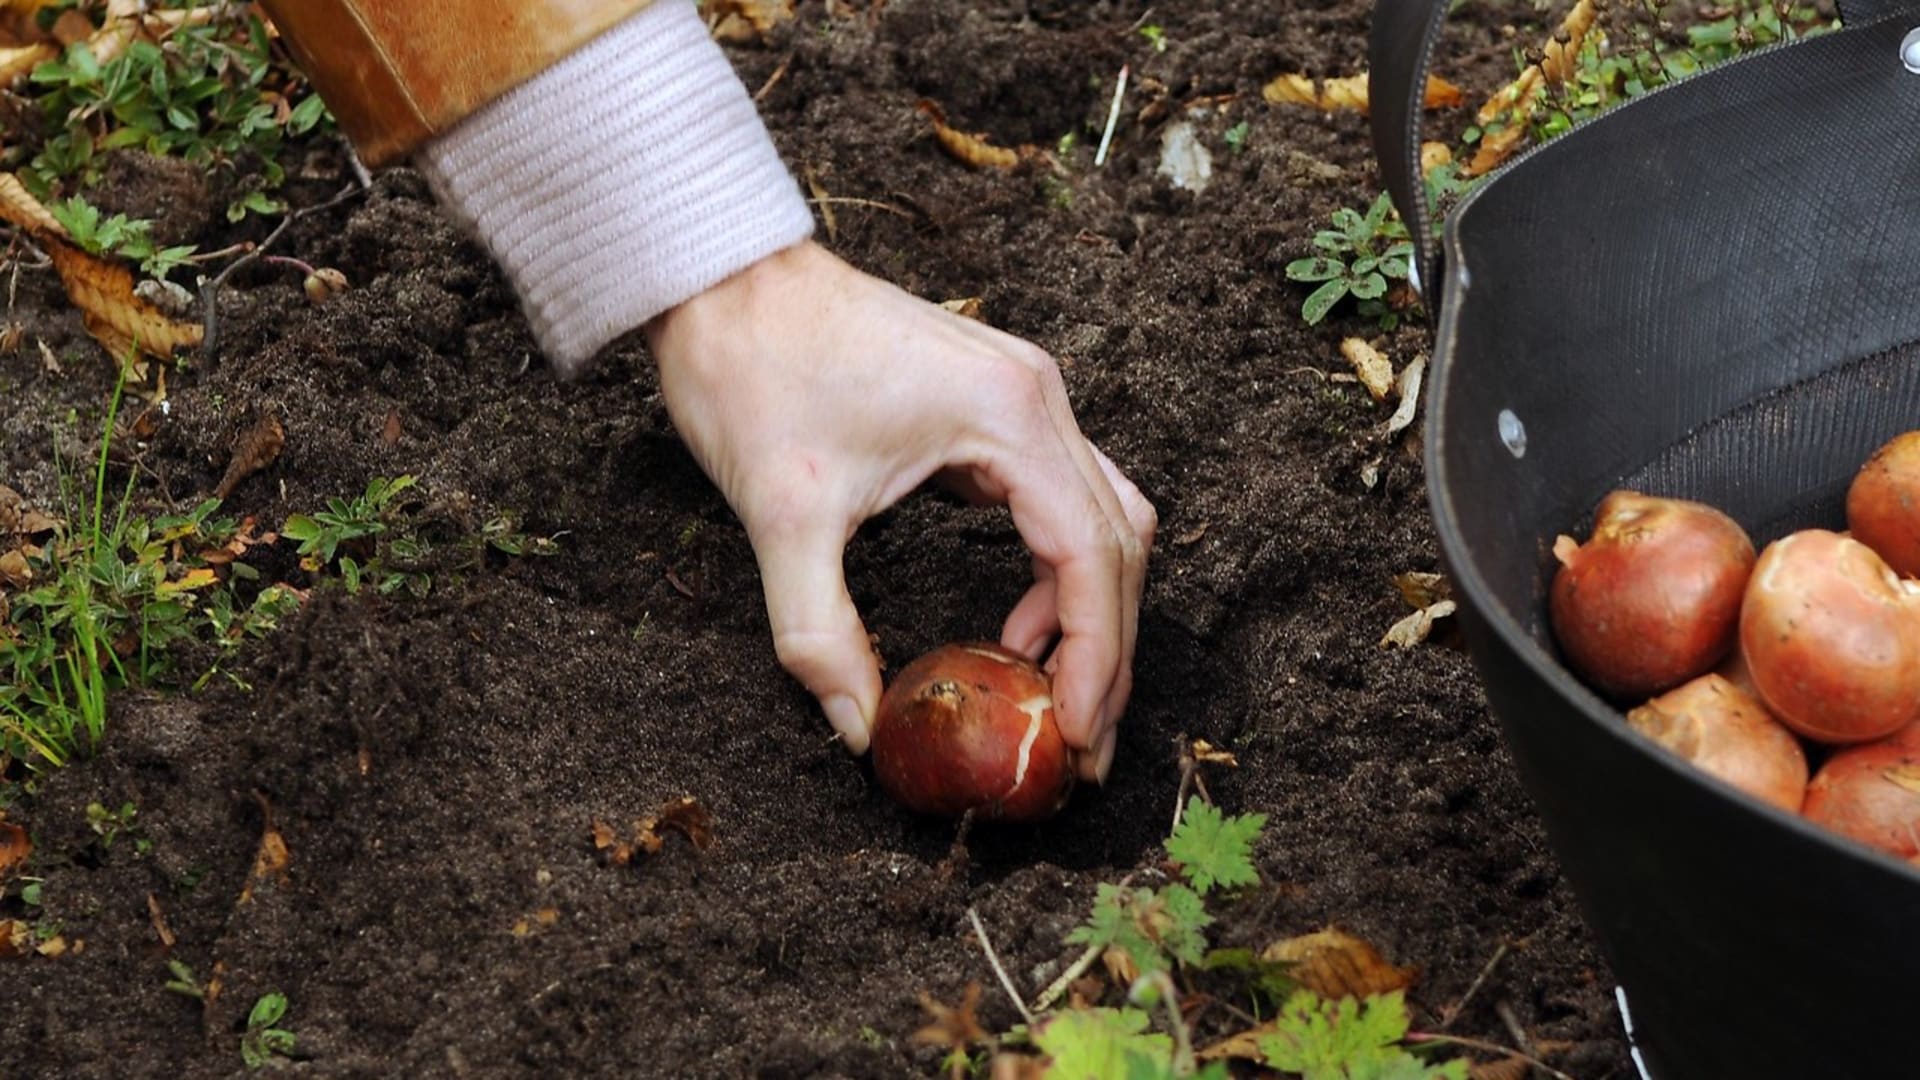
(435, 764)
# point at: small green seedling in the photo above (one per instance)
(1357, 258)
(131, 238)
(263, 1038)
(184, 982)
(344, 521)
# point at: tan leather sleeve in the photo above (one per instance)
(394, 73)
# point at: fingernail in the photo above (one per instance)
(1103, 763)
(845, 716)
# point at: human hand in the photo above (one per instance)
(816, 396)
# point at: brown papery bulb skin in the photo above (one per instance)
(1652, 599)
(1726, 732)
(1832, 638)
(1871, 793)
(1883, 503)
(970, 726)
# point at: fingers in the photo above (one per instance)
(1144, 522)
(1087, 554)
(817, 632)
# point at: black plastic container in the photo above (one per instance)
(1711, 292)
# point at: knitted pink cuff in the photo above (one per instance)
(632, 175)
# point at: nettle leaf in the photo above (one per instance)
(1214, 850)
(1115, 923)
(1104, 1042)
(1187, 920)
(1315, 269)
(1322, 300)
(1346, 1039)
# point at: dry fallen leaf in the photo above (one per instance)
(256, 448)
(15, 846)
(1350, 92)
(117, 318)
(390, 431)
(1421, 588)
(18, 62)
(955, 1028)
(1433, 155)
(1513, 1067)
(16, 937)
(19, 207)
(1205, 751)
(271, 860)
(14, 570)
(1375, 371)
(967, 307)
(690, 819)
(1515, 101)
(159, 917)
(741, 21)
(969, 149)
(1335, 964)
(1408, 388)
(1417, 627)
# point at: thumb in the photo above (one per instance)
(817, 632)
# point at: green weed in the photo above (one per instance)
(216, 93)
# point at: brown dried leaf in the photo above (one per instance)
(1417, 627)
(117, 318)
(1421, 589)
(1433, 155)
(1205, 751)
(1514, 1067)
(1350, 92)
(691, 820)
(18, 62)
(19, 207)
(954, 1027)
(1335, 964)
(967, 308)
(271, 859)
(55, 946)
(14, 570)
(1515, 95)
(256, 448)
(740, 21)
(1496, 147)
(16, 938)
(1375, 371)
(1120, 967)
(15, 846)
(605, 839)
(390, 430)
(159, 917)
(1562, 51)
(1244, 1045)
(969, 149)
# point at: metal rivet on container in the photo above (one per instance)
(1513, 433)
(1910, 50)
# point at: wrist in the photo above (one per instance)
(632, 176)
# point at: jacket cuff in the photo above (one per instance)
(632, 175)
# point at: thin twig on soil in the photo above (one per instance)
(778, 74)
(354, 164)
(209, 289)
(1079, 967)
(1454, 1010)
(1485, 1047)
(848, 200)
(1006, 981)
(1113, 116)
(1059, 986)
